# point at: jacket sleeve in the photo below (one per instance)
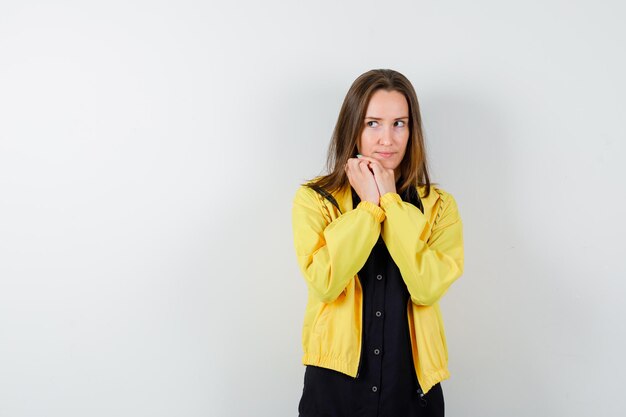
(427, 267)
(330, 253)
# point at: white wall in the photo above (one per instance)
(150, 151)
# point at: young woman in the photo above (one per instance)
(378, 247)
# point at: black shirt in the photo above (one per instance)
(386, 384)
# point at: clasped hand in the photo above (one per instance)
(369, 178)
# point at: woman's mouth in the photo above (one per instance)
(385, 154)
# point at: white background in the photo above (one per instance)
(150, 151)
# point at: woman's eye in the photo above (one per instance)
(371, 121)
(401, 123)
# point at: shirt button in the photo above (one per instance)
(376, 351)
(374, 388)
(378, 314)
(379, 277)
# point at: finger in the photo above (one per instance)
(372, 161)
(380, 168)
(364, 168)
(352, 162)
(376, 163)
(368, 158)
(377, 168)
(348, 167)
(354, 165)
(349, 174)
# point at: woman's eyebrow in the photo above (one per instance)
(378, 118)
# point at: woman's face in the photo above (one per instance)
(386, 129)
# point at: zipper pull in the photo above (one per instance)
(422, 400)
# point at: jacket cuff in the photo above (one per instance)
(378, 212)
(389, 198)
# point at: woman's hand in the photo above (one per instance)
(385, 178)
(362, 180)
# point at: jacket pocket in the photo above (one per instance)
(430, 337)
(320, 323)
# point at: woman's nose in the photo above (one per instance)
(385, 136)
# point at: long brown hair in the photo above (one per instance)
(349, 126)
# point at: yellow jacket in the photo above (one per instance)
(331, 248)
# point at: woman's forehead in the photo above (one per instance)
(387, 104)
